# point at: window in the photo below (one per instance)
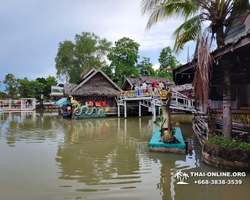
(57, 90)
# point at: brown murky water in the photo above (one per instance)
(46, 157)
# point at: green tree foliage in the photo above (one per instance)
(123, 59)
(145, 68)
(88, 51)
(3, 95)
(36, 89)
(30, 89)
(108, 71)
(168, 63)
(24, 87)
(50, 81)
(46, 84)
(11, 85)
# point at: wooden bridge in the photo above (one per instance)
(152, 100)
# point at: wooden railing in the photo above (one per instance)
(200, 127)
(17, 105)
(178, 100)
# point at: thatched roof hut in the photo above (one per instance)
(95, 83)
(129, 82)
(94, 86)
(68, 87)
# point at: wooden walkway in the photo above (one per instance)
(151, 101)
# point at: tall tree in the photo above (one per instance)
(194, 14)
(42, 82)
(3, 95)
(36, 89)
(168, 63)
(50, 81)
(11, 85)
(88, 51)
(145, 68)
(124, 57)
(23, 87)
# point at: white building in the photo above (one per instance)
(56, 92)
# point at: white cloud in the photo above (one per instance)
(124, 20)
(156, 66)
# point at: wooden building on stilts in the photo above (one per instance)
(94, 89)
(236, 55)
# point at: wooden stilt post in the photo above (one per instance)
(125, 109)
(118, 110)
(139, 108)
(140, 124)
(125, 126)
(9, 104)
(154, 113)
(119, 124)
(21, 104)
(34, 104)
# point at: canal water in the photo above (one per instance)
(44, 156)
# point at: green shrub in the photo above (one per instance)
(229, 143)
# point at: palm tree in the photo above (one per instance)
(194, 13)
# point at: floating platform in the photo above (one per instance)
(155, 143)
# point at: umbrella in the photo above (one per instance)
(63, 101)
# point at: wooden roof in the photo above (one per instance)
(94, 83)
(68, 87)
(236, 50)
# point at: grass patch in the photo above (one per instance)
(229, 143)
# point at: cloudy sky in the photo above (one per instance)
(31, 31)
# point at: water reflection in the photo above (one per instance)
(104, 158)
(113, 152)
(28, 126)
(95, 152)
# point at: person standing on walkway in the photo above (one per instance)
(144, 85)
(161, 85)
(155, 84)
(133, 87)
(189, 95)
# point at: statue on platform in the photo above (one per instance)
(167, 134)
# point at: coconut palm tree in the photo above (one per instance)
(194, 13)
